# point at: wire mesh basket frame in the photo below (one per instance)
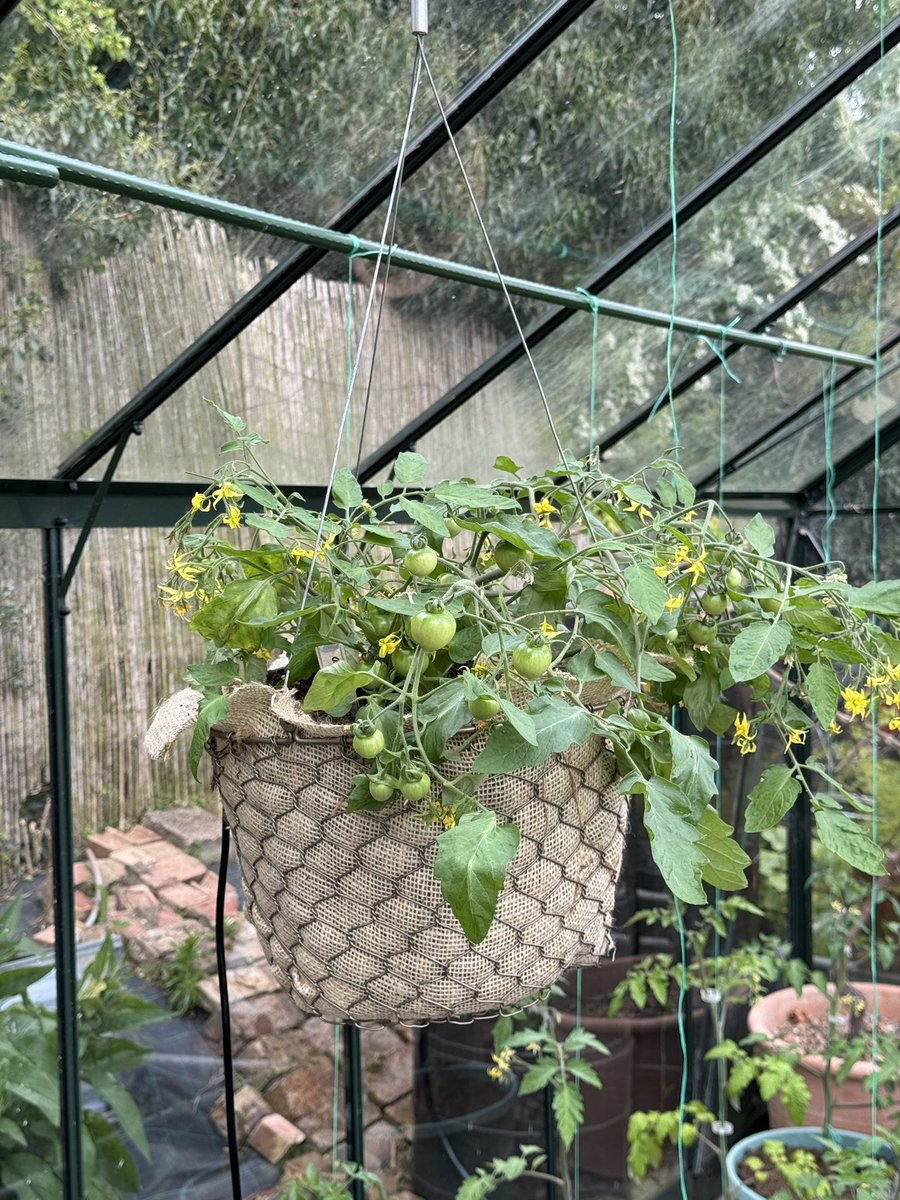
(346, 905)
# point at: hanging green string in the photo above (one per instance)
(682, 1039)
(356, 252)
(876, 480)
(592, 402)
(828, 381)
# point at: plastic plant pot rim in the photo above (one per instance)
(808, 1136)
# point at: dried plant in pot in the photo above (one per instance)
(426, 709)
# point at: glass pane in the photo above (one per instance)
(97, 294)
(289, 107)
(785, 218)
(287, 376)
(572, 160)
(797, 455)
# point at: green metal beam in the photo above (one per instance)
(180, 199)
(27, 170)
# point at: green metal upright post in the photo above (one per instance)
(55, 612)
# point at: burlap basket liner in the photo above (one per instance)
(346, 906)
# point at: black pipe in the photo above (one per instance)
(234, 1162)
(470, 101)
(353, 1105)
(640, 246)
(55, 613)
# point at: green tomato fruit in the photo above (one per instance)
(733, 578)
(377, 670)
(432, 627)
(701, 634)
(381, 788)
(420, 562)
(506, 556)
(415, 784)
(769, 604)
(483, 708)
(453, 527)
(402, 661)
(672, 635)
(713, 603)
(532, 660)
(368, 742)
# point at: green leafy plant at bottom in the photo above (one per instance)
(181, 975)
(29, 1089)
(832, 1172)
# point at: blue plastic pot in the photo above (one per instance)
(808, 1137)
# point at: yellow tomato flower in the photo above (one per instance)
(891, 671)
(747, 748)
(796, 737)
(543, 508)
(234, 517)
(835, 728)
(199, 502)
(696, 567)
(479, 669)
(741, 725)
(665, 570)
(178, 565)
(689, 515)
(675, 602)
(894, 723)
(547, 629)
(388, 644)
(855, 702)
(226, 492)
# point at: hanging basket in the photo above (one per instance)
(346, 905)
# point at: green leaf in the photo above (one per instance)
(881, 598)
(441, 714)
(725, 860)
(502, 463)
(674, 841)
(848, 840)
(772, 797)
(537, 1077)
(238, 424)
(465, 645)
(425, 515)
(568, 1109)
(638, 493)
(521, 721)
(346, 489)
(756, 648)
(212, 709)
(702, 695)
(409, 467)
(331, 685)
(208, 676)
(470, 495)
(693, 769)
(519, 531)
(761, 536)
(393, 604)
(12, 1133)
(611, 666)
(470, 865)
(824, 691)
(654, 671)
(113, 1163)
(223, 619)
(645, 591)
(584, 1071)
(557, 725)
(721, 719)
(123, 1107)
(14, 981)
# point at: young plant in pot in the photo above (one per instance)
(426, 706)
(829, 1021)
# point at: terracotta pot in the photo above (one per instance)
(851, 1103)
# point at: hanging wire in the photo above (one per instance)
(500, 278)
(828, 390)
(384, 250)
(335, 1089)
(595, 329)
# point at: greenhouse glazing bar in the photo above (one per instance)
(478, 93)
(639, 247)
(801, 291)
(736, 460)
(181, 200)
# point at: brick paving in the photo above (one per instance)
(158, 890)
